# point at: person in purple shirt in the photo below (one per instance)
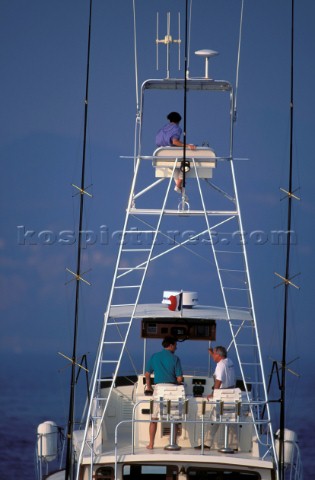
(169, 136)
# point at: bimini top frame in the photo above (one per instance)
(190, 84)
(161, 311)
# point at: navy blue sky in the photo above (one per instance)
(43, 57)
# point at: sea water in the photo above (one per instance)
(35, 388)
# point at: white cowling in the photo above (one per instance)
(47, 440)
(290, 439)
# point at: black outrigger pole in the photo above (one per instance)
(184, 164)
(287, 266)
(69, 456)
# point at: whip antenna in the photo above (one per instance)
(167, 41)
(69, 452)
(238, 58)
(287, 264)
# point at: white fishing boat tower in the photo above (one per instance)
(226, 437)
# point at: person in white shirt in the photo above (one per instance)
(224, 377)
(224, 374)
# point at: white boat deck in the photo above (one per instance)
(187, 455)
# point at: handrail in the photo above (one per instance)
(203, 420)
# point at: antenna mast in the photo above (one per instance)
(287, 282)
(69, 456)
(167, 40)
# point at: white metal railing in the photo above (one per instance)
(204, 420)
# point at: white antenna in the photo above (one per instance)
(179, 41)
(206, 54)
(167, 40)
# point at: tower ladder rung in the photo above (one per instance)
(131, 268)
(139, 231)
(122, 305)
(116, 324)
(228, 251)
(136, 249)
(231, 270)
(236, 288)
(126, 286)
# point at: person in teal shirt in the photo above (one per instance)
(167, 368)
